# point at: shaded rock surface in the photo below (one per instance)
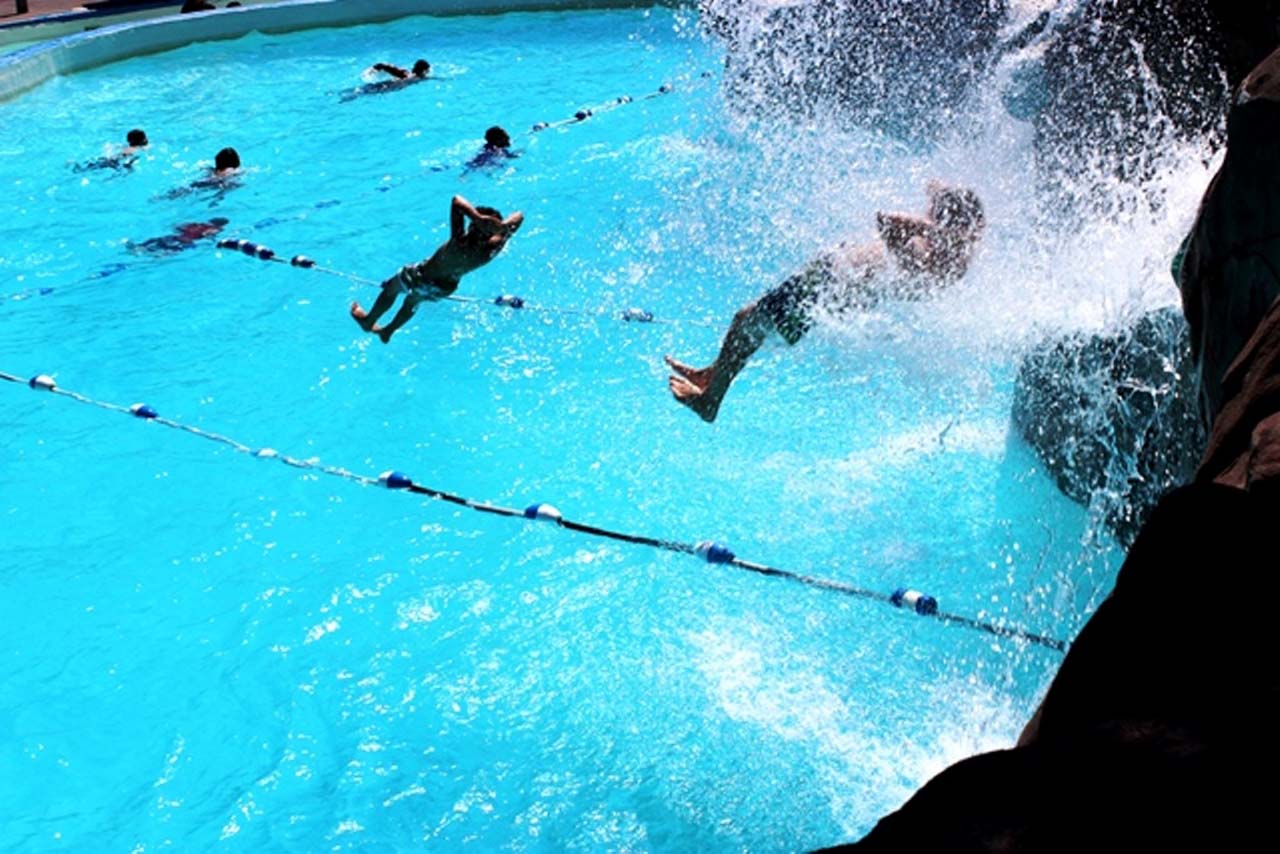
(1113, 418)
(1124, 79)
(1155, 719)
(903, 65)
(1120, 75)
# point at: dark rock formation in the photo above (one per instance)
(1231, 275)
(1113, 418)
(896, 64)
(1124, 78)
(1155, 720)
(1247, 32)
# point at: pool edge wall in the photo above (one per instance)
(26, 69)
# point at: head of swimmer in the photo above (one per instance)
(957, 212)
(495, 138)
(491, 229)
(421, 68)
(137, 138)
(226, 162)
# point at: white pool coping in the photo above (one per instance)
(25, 69)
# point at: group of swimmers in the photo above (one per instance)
(220, 178)
(912, 257)
(223, 175)
(226, 164)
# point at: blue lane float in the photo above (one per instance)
(545, 512)
(914, 600)
(713, 553)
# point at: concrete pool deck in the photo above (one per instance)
(38, 9)
(111, 39)
(46, 20)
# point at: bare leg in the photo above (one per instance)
(402, 317)
(697, 376)
(367, 319)
(702, 389)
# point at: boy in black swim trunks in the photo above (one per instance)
(927, 252)
(466, 249)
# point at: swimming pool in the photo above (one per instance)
(207, 651)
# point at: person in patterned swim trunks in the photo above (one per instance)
(467, 249)
(913, 257)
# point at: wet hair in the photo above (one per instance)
(422, 68)
(136, 137)
(227, 159)
(497, 137)
(219, 221)
(958, 208)
(489, 211)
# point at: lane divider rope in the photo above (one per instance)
(711, 552)
(578, 117)
(510, 301)
(605, 106)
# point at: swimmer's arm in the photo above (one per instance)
(457, 214)
(512, 223)
(459, 210)
(394, 70)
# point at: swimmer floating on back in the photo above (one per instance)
(135, 140)
(467, 249)
(928, 253)
(400, 78)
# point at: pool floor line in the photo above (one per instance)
(711, 552)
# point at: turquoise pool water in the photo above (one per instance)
(203, 651)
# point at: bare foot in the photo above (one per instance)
(1264, 81)
(706, 404)
(700, 377)
(361, 317)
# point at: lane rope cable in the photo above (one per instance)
(578, 117)
(510, 301)
(711, 552)
(622, 100)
